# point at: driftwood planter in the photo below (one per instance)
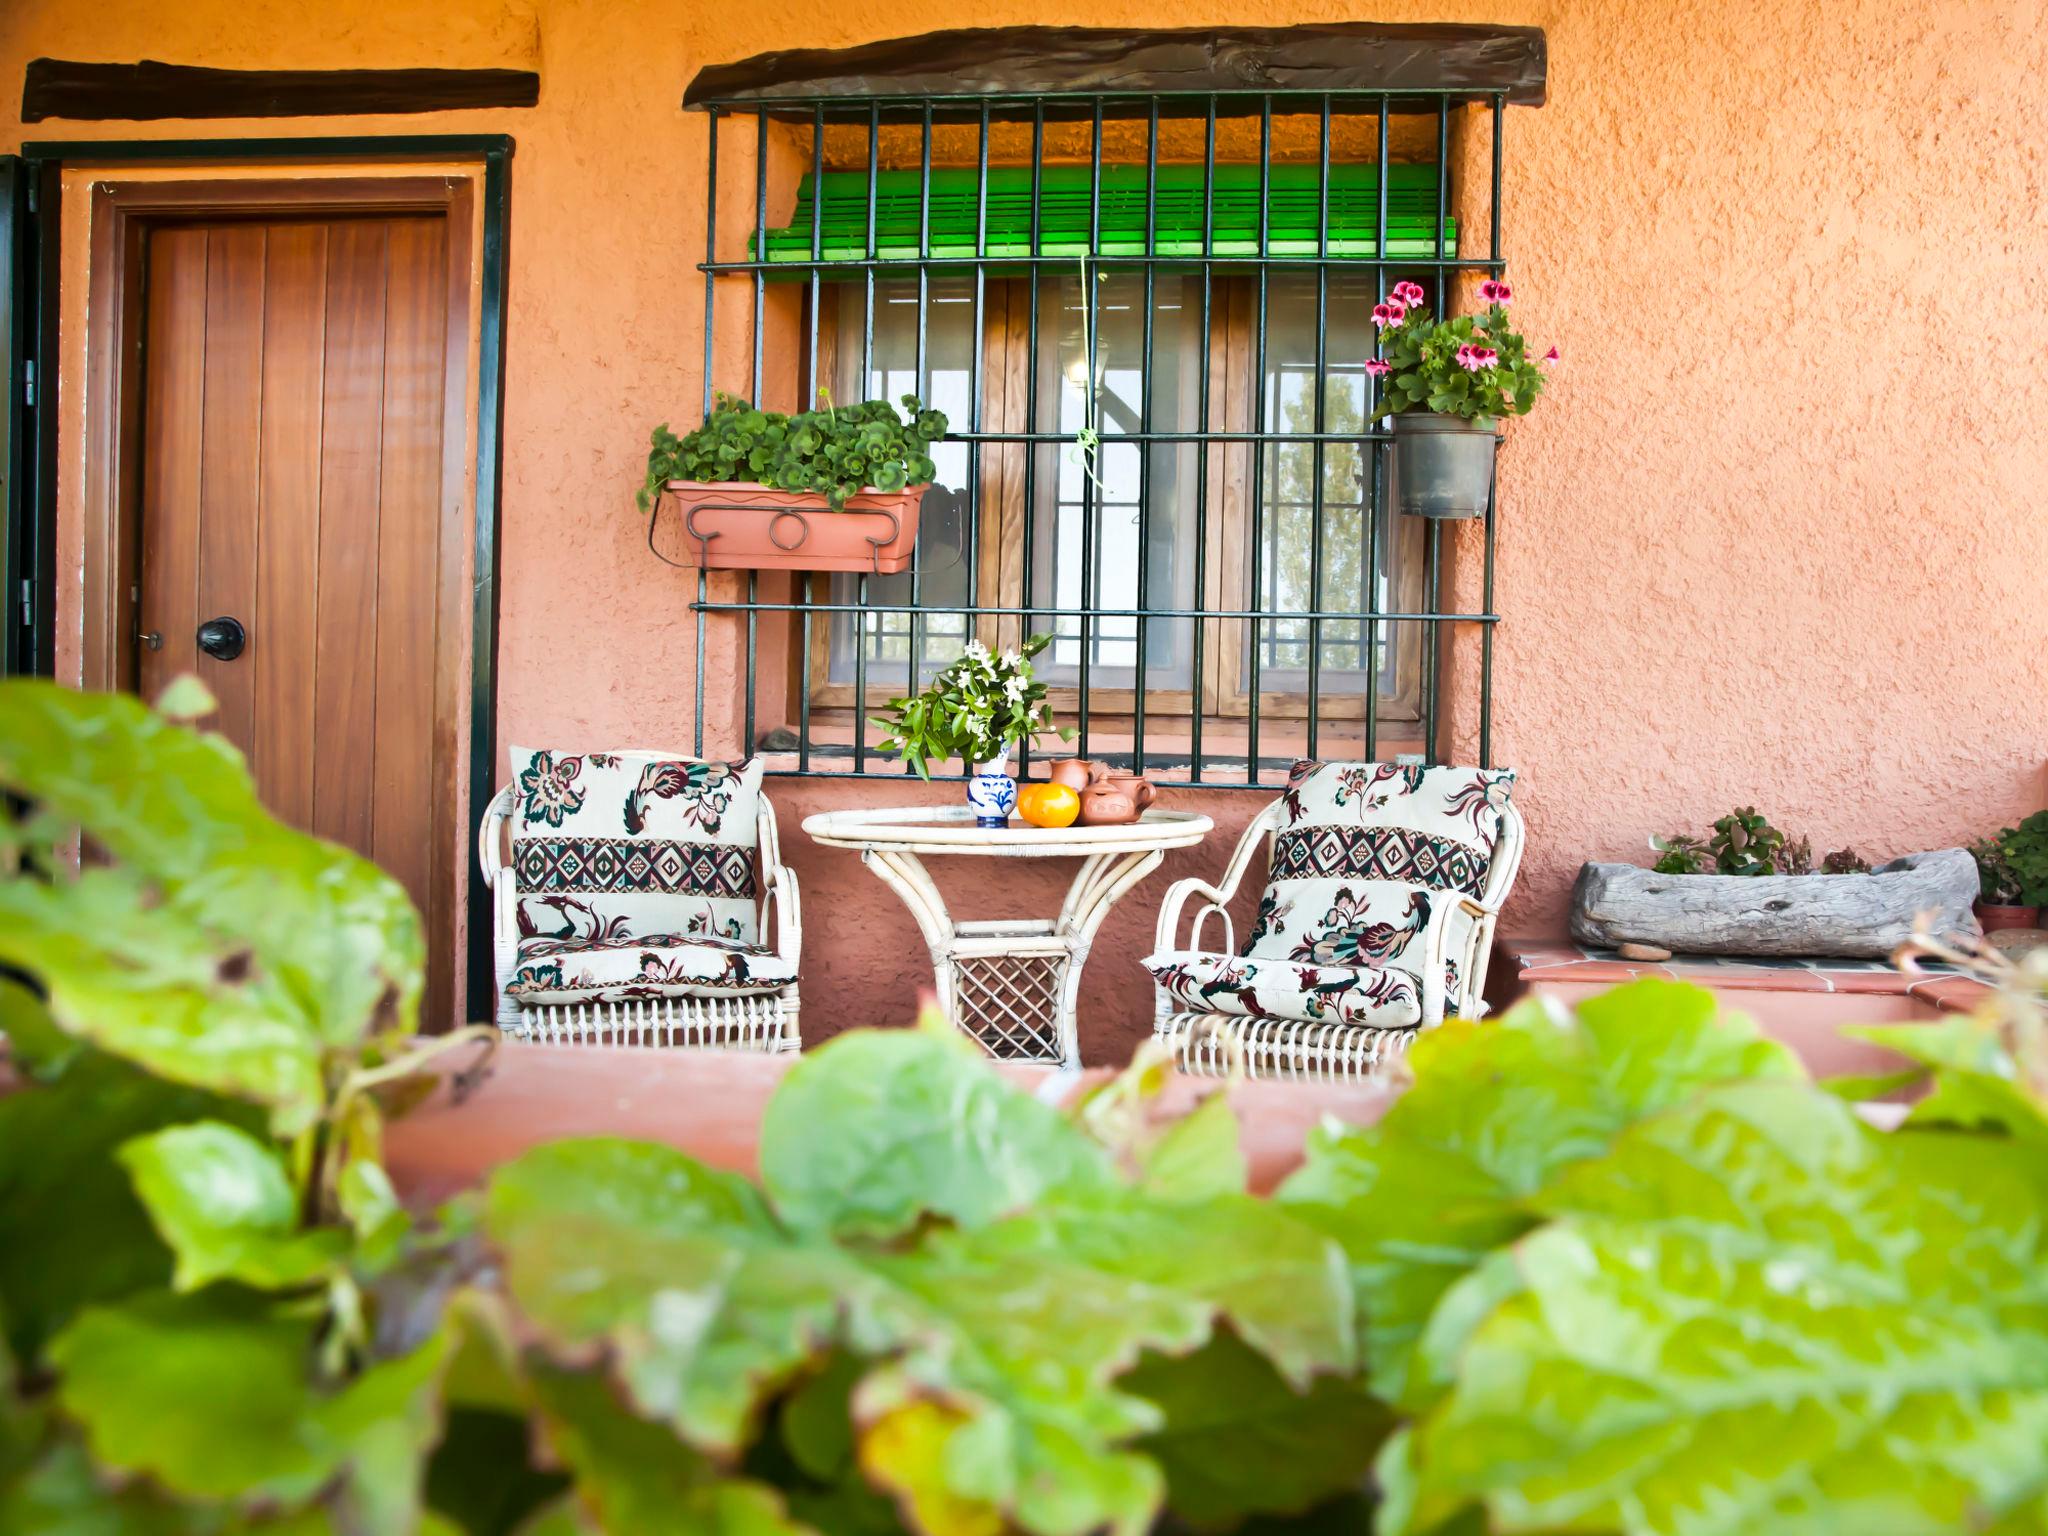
(1849, 916)
(736, 526)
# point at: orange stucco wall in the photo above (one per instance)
(1775, 536)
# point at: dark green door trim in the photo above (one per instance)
(30, 237)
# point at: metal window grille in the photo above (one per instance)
(1329, 648)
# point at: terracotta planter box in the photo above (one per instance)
(737, 526)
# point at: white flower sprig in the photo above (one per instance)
(977, 709)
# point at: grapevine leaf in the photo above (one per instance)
(632, 1478)
(225, 949)
(1755, 1314)
(1239, 1440)
(221, 1200)
(881, 1127)
(1013, 1331)
(212, 1398)
(59, 1178)
(1496, 1110)
(1976, 1082)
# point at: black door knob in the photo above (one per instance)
(223, 638)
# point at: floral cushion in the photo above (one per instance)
(555, 971)
(622, 846)
(1368, 997)
(1363, 853)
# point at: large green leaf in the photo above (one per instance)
(225, 949)
(72, 1232)
(221, 1199)
(995, 1344)
(1239, 1440)
(1977, 1080)
(213, 1398)
(1756, 1315)
(633, 1478)
(881, 1127)
(1496, 1110)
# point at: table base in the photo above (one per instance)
(1013, 985)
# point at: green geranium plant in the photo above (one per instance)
(977, 708)
(1477, 368)
(836, 452)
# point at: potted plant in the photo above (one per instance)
(1446, 384)
(977, 709)
(2012, 869)
(750, 485)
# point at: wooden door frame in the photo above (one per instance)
(109, 449)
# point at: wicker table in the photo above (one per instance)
(1009, 983)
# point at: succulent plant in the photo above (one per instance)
(1744, 843)
(1679, 854)
(1998, 883)
(2026, 851)
(1797, 857)
(1845, 861)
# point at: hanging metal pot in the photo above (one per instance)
(1443, 465)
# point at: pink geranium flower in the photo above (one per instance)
(1472, 358)
(1378, 367)
(1389, 313)
(1550, 356)
(1495, 292)
(1410, 294)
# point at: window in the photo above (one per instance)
(1156, 374)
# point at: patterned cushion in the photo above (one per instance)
(555, 971)
(1363, 852)
(619, 846)
(1369, 997)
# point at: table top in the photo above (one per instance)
(951, 829)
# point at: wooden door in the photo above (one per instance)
(291, 481)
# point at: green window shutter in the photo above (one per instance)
(1293, 209)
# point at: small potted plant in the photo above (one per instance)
(2012, 870)
(977, 709)
(1446, 384)
(750, 485)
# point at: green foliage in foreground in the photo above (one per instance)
(1624, 1271)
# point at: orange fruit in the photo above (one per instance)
(1048, 805)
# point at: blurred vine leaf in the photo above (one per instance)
(1496, 1111)
(1754, 1313)
(631, 1476)
(896, 1125)
(1978, 1075)
(212, 1396)
(72, 1232)
(222, 1200)
(1239, 1440)
(221, 948)
(992, 1342)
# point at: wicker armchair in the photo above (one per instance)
(1333, 1001)
(757, 1019)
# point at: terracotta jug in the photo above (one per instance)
(1107, 803)
(1141, 790)
(1077, 773)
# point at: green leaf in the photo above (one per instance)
(221, 1199)
(992, 1349)
(633, 1478)
(34, 1042)
(1198, 1156)
(1496, 1110)
(225, 949)
(212, 1398)
(72, 1233)
(1757, 1314)
(881, 1127)
(1977, 1082)
(1239, 1441)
